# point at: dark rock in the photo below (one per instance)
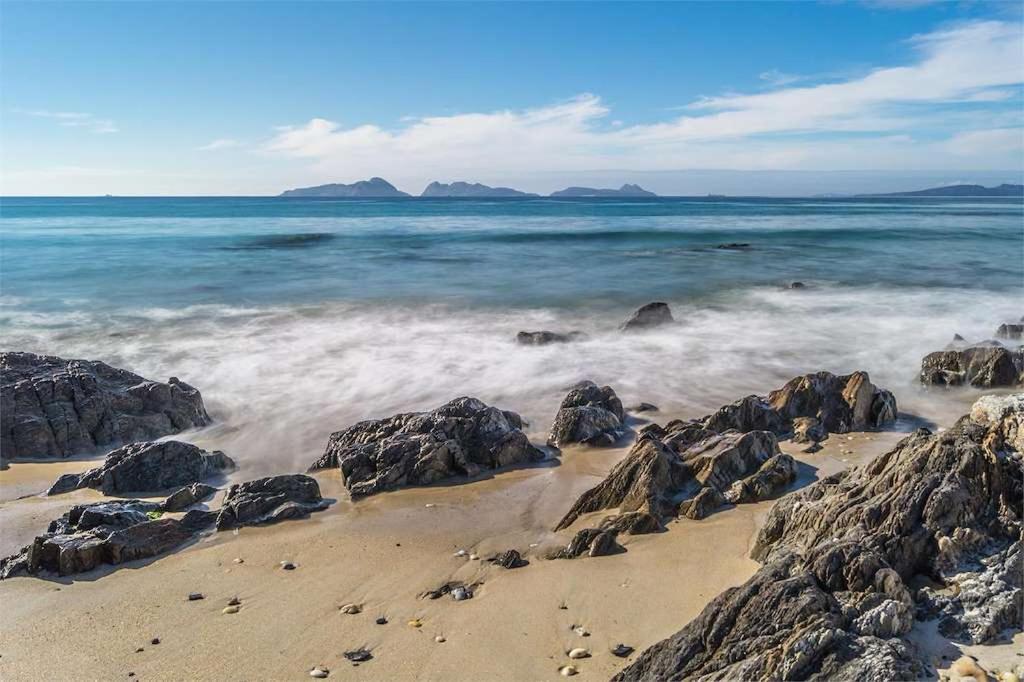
(592, 542)
(358, 655)
(1013, 332)
(148, 467)
(632, 523)
(771, 479)
(734, 246)
(421, 448)
(588, 414)
(184, 498)
(543, 338)
(622, 650)
(812, 448)
(645, 480)
(52, 407)
(808, 430)
(509, 559)
(195, 596)
(797, 285)
(979, 366)
(269, 500)
(647, 316)
(703, 504)
(381, 621)
(831, 601)
(644, 407)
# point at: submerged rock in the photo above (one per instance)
(147, 468)
(269, 500)
(543, 338)
(980, 366)
(648, 316)
(52, 407)
(460, 438)
(831, 601)
(588, 414)
(1012, 331)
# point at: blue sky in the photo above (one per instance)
(252, 98)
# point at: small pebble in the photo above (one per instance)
(234, 601)
(429, 505)
(195, 596)
(563, 606)
(439, 639)
(139, 650)
(154, 641)
(358, 655)
(381, 621)
(581, 631)
(319, 672)
(287, 565)
(461, 593)
(230, 609)
(622, 650)
(415, 623)
(568, 670)
(534, 544)
(131, 674)
(576, 654)
(351, 609)
(474, 557)
(461, 552)
(239, 560)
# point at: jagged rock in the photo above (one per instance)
(643, 407)
(831, 601)
(647, 316)
(978, 365)
(146, 468)
(592, 542)
(643, 481)
(780, 624)
(632, 523)
(774, 476)
(720, 460)
(544, 337)
(52, 407)
(420, 448)
(840, 403)
(588, 414)
(91, 535)
(808, 430)
(703, 504)
(509, 559)
(183, 498)
(987, 600)
(1013, 332)
(269, 500)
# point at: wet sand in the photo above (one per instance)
(382, 553)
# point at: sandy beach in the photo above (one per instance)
(382, 553)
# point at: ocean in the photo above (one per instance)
(297, 317)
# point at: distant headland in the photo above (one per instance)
(1003, 190)
(379, 188)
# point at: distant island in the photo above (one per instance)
(465, 189)
(374, 188)
(1003, 190)
(624, 191)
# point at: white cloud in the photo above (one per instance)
(778, 78)
(220, 143)
(892, 110)
(74, 119)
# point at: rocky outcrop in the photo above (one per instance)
(458, 439)
(652, 478)
(980, 366)
(832, 602)
(269, 500)
(147, 468)
(588, 414)
(1011, 332)
(91, 535)
(647, 316)
(544, 338)
(183, 498)
(52, 407)
(590, 541)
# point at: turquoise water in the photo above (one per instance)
(128, 253)
(296, 318)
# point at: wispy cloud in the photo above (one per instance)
(74, 119)
(778, 78)
(896, 114)
(220, 143)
